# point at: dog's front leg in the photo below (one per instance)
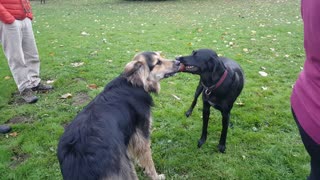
(194, 102)
(224, 131)
(139, 147)
(205, 120)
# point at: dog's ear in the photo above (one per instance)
(136, 73)
(217, 63)
(131, 68)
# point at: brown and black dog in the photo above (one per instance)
(221, 82)
(114, 129)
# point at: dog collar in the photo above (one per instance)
(208, 90)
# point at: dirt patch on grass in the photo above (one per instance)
(19, 119)
(80, 99)
(16, 99)
(18, 157)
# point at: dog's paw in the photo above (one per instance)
(161, 177)
(201, 142)
(188, 113)
(222, 148)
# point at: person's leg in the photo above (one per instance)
(313, 149)
(11, 39)
(31, 54)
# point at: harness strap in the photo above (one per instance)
(208, 90)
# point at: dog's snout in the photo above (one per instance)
(177, 63)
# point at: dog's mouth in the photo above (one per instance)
(187, 68)
(169, 74)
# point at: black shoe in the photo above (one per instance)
(4, 129)
(28, 96)
(42, 87)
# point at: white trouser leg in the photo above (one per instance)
(20, 49)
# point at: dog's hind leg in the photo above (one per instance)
(224, 131)
(205, 120)
(194, 102)
(139, 148)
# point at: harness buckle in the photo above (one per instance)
(207, 92)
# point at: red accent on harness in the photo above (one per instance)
(208, 90)
(223, 77)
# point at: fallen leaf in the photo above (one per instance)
(77, 64)
(85, 33)
(50, 81)
(7, 77)
(94, 53)
(263, 74)
(52, 149)
(92, 86)
(264, 88)
(13, 134)
(66, 96)
(177, 98)
(240, 103)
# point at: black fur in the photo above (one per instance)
(91, 145)
(210, 67)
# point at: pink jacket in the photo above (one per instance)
(10, 10)
(305, 98)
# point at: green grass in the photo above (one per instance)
(260, 35)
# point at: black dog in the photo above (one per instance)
(221, 82)
(115, 127)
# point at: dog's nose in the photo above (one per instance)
(177, 63)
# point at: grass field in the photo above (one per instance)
(85, 44)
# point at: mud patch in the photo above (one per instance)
(80, 99)
(16, 99)
(19, 119)
(18, 157)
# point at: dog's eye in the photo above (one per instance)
(159, 63)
